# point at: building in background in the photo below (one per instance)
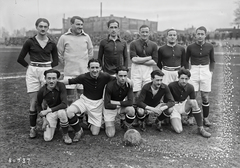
(96, 24)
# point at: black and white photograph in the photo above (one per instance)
(119, 84)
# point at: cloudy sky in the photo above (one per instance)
(180, 14)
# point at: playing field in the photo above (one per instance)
(165, 149)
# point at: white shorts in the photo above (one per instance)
(169, 76)
(93, 108)
(50, 130)
(201, 78)
(74, 86)
(110, 114)
(140, 75)
(178, 110)
(52, 119)
(35, 78)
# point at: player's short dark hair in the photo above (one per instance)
(156, 72)
(72, 20)
(112, 21)
(121, 68)
(144, 26)
(93, 60)
(41, 20)
(184, 71)
(171, 30)
(52, 71)
(202, 28)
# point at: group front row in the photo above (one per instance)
(172, 101)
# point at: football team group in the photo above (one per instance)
(163, 82)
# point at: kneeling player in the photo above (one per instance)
(55, 95)
(150, 97)
(114, 102)
(184, 96)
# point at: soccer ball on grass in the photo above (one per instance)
(132, 138)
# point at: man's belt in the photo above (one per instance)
(40, 65)
(171, 68)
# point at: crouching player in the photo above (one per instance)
(115, 103)
(54, 94)
(184, 96)
(150, 97)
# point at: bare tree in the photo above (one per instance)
(236, 21)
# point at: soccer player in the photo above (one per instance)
(150, 98)
(113, 50)
(75, 49)
(202, 59)
(184, 96)
(54, 94)
(118, 99)
(171, 57)
(91, 101)
(43, 56)
(143, 53)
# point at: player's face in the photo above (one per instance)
(200, 35)
(122, 77)
(157, 81)
(144, 33)
(172, 37)
(183, 80)
(51, 80)
(42, 28)
(94, 69)
(77, 26)
(113, 29)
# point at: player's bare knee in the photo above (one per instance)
(95, 130)
(130, 111)
(178, 130)
(62, 115)
(47, 137)
(110, 132)
(71, 111)
(205, 97)
(141, 112)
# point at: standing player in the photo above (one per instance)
(184, 96)
(118, 99)
(143, 53)
(201, 55)
(43, 55)
(149, 100)
(75, 49)
(171, 57)
(55, 95)
(113, 50)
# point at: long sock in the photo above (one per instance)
(205, 107)
(33, 118)
(162, 117)
(74, 122)
(198, 117)
(129, 119)
(64, 126)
